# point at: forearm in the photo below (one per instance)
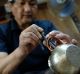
(10, 63)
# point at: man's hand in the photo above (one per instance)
(30, 37)
(63, 38)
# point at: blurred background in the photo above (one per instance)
(69, 24)
(65, 24)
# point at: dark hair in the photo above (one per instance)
(2, 13)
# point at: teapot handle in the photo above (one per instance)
(53, 42)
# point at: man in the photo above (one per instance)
(20, 40)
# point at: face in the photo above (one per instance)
(24, 11)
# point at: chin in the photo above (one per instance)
(27, 21)
(26, 24)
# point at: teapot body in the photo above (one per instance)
(65, 59)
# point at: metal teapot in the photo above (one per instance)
(64, 58)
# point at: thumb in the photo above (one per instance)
(74, 41)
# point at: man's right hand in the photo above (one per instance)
(29, 38)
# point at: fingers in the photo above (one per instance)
(30, 37)
(52, 33)
(74, 41)
(35, 29)
(29, 40)
(64, 38)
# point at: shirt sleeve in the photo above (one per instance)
(3, 47)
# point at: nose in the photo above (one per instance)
(27, 7)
